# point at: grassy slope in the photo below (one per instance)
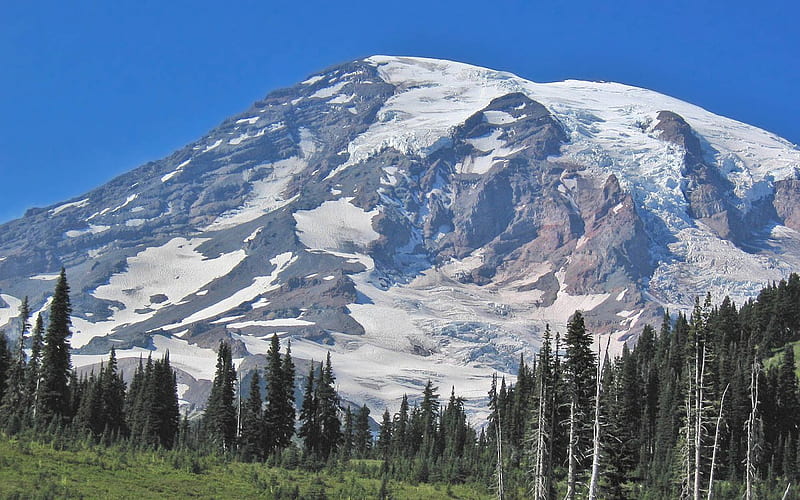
(32, 470)
(777, 358)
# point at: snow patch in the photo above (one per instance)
(271, 322)
(336, 225)
(260, 285)
(74, 204)
(92, 229)
(176, 269)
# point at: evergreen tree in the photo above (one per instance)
(309, 415)
(579, 375)
(5, 358)
(384, 445)
(346, 447)
(220, 415)
(13, 406)
(34, 370)
(279, 413)
(401, 431)
(330, 433)
(112, 391)
(362, 437)
(285, 429)
(164, 410)
(251, 443)
(89, 414)
(53, 395)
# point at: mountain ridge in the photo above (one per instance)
(428, 214)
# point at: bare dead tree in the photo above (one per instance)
(716, 440)
(750, 469)
(593, 482)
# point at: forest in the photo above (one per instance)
(705, 406)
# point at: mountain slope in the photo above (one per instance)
(419, 219)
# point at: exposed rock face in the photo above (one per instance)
(787, 202)
(418, 219)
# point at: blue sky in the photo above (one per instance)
(89, 90)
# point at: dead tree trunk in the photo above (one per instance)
(716, 439)
(596, 439)
(750, 469)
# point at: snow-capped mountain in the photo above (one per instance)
(418, 219)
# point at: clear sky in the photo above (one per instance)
(91, 89)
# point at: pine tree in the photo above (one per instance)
(5, 358)
(309, 416)
(385, 435)
(53, 395)
(164, 410)
(251, 445)
(400, 427)
(112, 390)
(346, 448)
(220, 415)
(13, 406)
(286, 424)
(279, 413)
(34, 370)
(330, 433)
(362, 437)
(579, 374)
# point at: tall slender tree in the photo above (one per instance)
(220, 415)
(251, 443)
(579, 374)
(54, 394)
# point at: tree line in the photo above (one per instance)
(708, 405)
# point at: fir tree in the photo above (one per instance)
(53, 395)
(309, 424)
(579, 374)
(34, 370)
(251, 443)
(279, 412)
(330, 433)
(112, 390)
(13, 406)
(362, 437)
(220, 415)
(384, 444)
(5, 358)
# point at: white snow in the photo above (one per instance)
(312, 80)
(342, 99)
(176, 269)
(92, 229)
(326, 92)
(74, 204)
(251, 121)
(336, 225)
(271, 322)
(266, 193)
(260, 285)
(45, 277)
(492, 149)
(213, 146)
(198, 362)
(499, 117)
(252, 235)
(10, 310)
(170, 175)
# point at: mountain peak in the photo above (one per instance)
(417, 218)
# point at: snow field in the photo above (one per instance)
(260, 285)
(175, 269)
(336, 225)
